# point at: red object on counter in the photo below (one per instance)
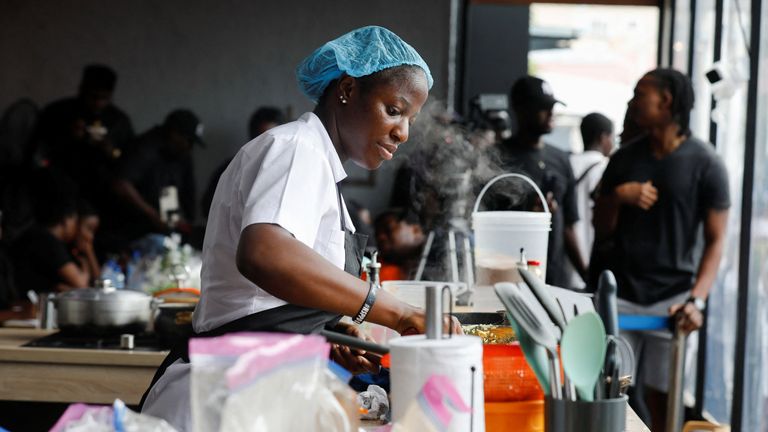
(526, 416)
(507, 376)
(388, 272)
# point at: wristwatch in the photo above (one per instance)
(699, 302)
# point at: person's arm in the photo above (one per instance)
(88, 263)
(714, 239)
(72, 277)
(126, 191)
(571, 216)
(574, 254)
(606, 211)
(273, 259)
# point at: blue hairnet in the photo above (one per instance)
(358, 53)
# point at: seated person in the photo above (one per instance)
(400, 239)
(82, 248)
(43, 261)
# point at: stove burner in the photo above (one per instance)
(142, 342)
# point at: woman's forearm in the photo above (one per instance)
(273, 259)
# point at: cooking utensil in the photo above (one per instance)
(535, 355)
(625, 356)
(173, 322)
(568, 387)
(103, 310)
(534, 322)
(353, 342)
(606, 302)
(495, 318)
(583, 351)
(606, 307)
(613, 390)
(539, 289)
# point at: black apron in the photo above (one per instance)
(284, 319)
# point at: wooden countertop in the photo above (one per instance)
(94, 376)
(11, 349)
(71, 375)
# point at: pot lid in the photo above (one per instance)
(104, 295)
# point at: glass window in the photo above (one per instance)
(681, 34)
(756, 393)
(730, 116)
(592, 55)
(703, 57)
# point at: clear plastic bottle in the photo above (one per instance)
(134, 274)
(112, 272)
(119, 276)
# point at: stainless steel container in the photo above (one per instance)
(103, 307)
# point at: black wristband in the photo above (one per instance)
(697, 302)
(368, 304)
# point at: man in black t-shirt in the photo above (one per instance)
(527, 153)
(656, 198)
(84, 136)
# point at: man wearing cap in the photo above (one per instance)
(527, 153)
(160, 159)
(88, 121)
(84, 136)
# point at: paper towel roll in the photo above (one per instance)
(416, 358)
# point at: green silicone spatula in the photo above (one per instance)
(582, 349)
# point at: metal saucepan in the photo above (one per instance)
(103, 310)
(173, 323)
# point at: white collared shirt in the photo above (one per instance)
(286, 176)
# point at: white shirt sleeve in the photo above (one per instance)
(290, 188)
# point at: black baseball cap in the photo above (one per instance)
(186, 123)
(98, 77)
(533, 92)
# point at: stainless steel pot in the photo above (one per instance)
(103, 308)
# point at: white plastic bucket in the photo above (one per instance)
(499, 236)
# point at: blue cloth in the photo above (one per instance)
(358, 53)
(644, 322)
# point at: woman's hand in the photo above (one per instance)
(414, 321)
(352, 359)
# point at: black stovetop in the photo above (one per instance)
(142, 342)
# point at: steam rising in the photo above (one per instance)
(449, 166)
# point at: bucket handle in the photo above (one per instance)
(503, 176)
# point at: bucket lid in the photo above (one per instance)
(511, 219)
(521, 216)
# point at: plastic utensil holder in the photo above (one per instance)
(607, 415)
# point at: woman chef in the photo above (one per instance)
(280, 253)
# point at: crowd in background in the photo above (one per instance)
(78, 185)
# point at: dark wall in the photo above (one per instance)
(496, 50)
(220, 58)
